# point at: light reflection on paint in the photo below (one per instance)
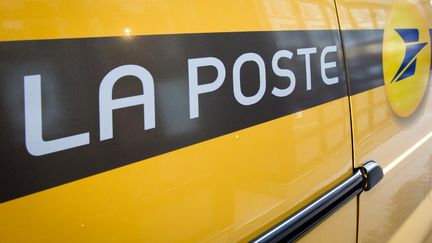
(127, 31)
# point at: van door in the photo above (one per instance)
(388, 52)
(170, 121)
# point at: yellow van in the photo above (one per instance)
(216, 121)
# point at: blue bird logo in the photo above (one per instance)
(408, 66)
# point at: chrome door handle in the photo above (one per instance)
(363, 179)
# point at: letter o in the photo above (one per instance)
(238, 94)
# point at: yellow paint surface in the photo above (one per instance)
(382, 136)
(226, 189)
(373, 14)
(49, 19)
(338, 227)
(398, 144)
(405, 95)
(230, 188)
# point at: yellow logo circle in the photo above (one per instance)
(406, 57)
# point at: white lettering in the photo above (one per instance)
(195, 89)
(326, 65)
(35, 144)
(240, 97)
(307, 52)
(107, 104)
(283, 73)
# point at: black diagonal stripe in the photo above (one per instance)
(363, 52)
(72, 70)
